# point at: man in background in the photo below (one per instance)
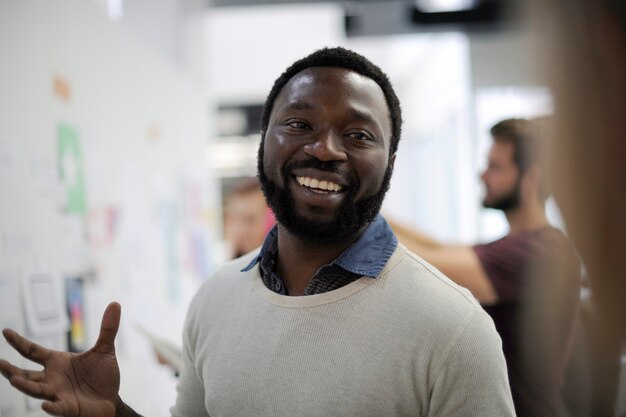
(512, 276)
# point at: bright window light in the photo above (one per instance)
(434, 6)
(115, 9)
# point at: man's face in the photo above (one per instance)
(501, 178)
(245, 217)
(324, 164)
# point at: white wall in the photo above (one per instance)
(142, 129)
(247, 48)
(503, 58)
(170, 28)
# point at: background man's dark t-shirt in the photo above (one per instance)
(536, 275)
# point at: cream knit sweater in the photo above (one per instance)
(408, 343)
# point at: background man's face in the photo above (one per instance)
(324, 163)
(501, 178)
(245, 221)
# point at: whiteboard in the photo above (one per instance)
(102, 176)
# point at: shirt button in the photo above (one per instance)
(279, 286)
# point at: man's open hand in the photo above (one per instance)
(71, 385)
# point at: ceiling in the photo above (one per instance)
(385, 17)
(230, 3)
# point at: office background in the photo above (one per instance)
(120, 122)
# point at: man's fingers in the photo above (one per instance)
(39, 390)
(9, 371)
(6, 369)
(108, 328)
(53, 408)
(26, 348)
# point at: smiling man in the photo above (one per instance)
(325, 165)
(331, 317)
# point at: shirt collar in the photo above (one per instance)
(367, 256)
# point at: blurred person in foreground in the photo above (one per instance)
(582, 47)
(512, 276)
(332, 317)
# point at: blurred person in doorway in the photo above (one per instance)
(511, 276)
(582, 48)
(247, 218)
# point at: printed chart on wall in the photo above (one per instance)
(74, 295)
(71, 168)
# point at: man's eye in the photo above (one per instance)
(359, 136)
(298, 125)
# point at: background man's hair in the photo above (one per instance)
(340, 58)
(525, 135)
(247, 185)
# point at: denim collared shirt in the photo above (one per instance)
(365, 257)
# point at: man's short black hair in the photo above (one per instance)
(340, 58)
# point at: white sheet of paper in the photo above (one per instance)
(43, 304)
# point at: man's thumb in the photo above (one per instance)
(108, 328)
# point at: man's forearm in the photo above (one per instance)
(413, 238)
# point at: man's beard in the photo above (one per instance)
(351, 216)
(507, 202)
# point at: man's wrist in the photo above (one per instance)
(122, 410)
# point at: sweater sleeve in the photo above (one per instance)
(473, 378)
(190, 388)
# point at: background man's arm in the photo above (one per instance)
(457, 262)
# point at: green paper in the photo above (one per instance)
(71, 168)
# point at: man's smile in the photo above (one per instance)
(316, 193)
(319, 185)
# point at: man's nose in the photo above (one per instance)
(326, 146)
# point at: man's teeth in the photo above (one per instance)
(321, 185)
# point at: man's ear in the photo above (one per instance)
(392, 161)
(533, 177)
(536, 173)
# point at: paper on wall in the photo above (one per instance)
(43, 304)
(71, 168)
(45, 176)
